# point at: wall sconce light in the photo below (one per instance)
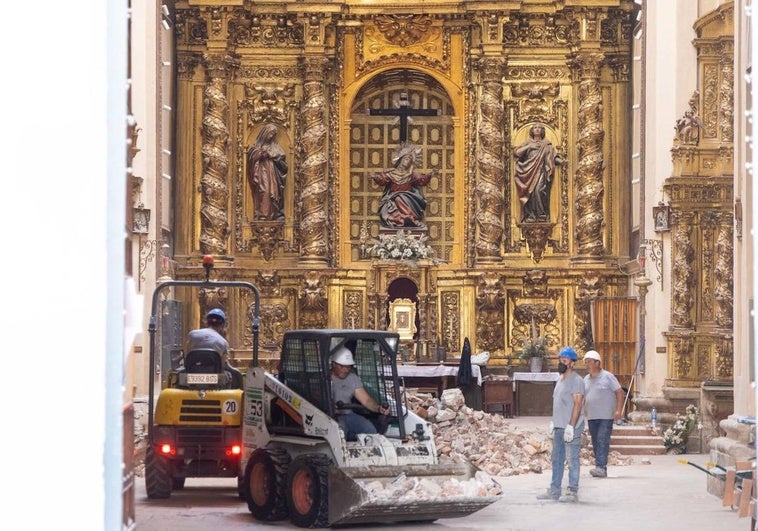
(141, 220)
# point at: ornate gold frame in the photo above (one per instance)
(403, 318)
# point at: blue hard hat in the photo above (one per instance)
(216, 315)
(568, 352)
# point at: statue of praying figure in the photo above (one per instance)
(266, 171)
(403, 203)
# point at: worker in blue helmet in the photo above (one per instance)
(566, 427)
(212, 336)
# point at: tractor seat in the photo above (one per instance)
(203, 361)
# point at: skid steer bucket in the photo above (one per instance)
(408, 493)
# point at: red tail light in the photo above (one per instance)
(167, 449)
(234, 450)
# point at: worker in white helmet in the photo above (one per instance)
(346, 385)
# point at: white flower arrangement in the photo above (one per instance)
(675, 438)
(402, 246)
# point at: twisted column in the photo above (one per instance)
(589, 168)
(214, 193)
(489, 158)
(313, 195)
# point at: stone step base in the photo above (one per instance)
(639, 449)
(636, 439)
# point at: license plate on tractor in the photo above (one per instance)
(202, 378)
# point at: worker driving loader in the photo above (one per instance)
(347, 392)
(307, 458)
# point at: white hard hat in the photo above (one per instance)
(592, 355)
(343, 356)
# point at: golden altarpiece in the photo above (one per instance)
(333, 78)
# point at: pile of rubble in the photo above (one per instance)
(491, 442)
(408, 489)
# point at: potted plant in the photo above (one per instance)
(534, 350)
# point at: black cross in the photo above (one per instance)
(403, 112)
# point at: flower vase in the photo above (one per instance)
(535, 364)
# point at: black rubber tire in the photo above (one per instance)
(158, 479)
(264, 484)
(308, 490)
(177, 483)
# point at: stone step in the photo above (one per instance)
(636, 439)
(639, 449)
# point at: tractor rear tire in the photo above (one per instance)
(264, 484)
(158, 481)
(308, 490)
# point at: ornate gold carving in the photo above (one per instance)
(371, 54)
(313, 216)
(710, 101)
(214, 227)
(403, 30)
(725, 358)
(490, 200)
(535, 283)
(210, 298)
(451, 311)
(536, 30)
(268, 73)
(682, 359)
(726, 104)
(186, 63)
(537, 236)
(190, 27)
(266, 234)
(589, 168)
(268, 103)
(265, 30)
(536, 72)
(682, 270)
(490, 307)
(352, 309)
(275, 321)
(541, 315)
(388, 34)
(723, 274)
(269, 283)
(688, 127)
(536, 103)
(313, 301)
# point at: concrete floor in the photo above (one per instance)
(662, 494)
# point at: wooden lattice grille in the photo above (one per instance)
(615, 334)
(373, 140)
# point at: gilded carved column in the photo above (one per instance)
(489, 184)
(214, 224)
(589, 167)
(683, 281)
(313, 215)
(723, 272)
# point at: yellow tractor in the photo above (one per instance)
(195, 426)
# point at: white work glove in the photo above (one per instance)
(550, 428)
(568, 433)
